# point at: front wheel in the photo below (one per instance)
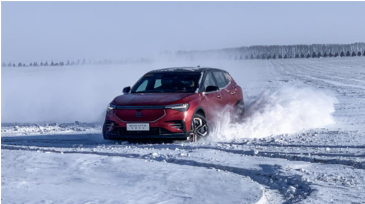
(105, 126)
(199, 128)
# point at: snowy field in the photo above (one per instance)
(302, 139)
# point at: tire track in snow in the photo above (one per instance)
(289, 156)
(269, 175)
(296, 157)
(298, 145)
(305, 75)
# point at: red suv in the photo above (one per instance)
(173, 103)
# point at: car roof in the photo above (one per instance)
(185, 69)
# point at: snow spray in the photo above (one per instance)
(283, 111)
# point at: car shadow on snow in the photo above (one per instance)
(72, 141)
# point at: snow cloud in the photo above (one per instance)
(282, 111)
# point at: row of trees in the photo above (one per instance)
(68, 63)
(74, 63)
(272, 51)
(301, 55)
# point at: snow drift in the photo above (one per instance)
(282, 111)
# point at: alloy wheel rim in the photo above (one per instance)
(200, 128)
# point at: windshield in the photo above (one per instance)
(167, 82)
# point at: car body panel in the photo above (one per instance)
(166, 123)
(146, 99)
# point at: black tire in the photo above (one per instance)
(239, 111)
(104, 131)
(199, 128)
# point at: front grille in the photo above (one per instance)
(140, 114)
(152, 131)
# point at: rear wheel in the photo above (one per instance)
(239, 110)
(199, 128)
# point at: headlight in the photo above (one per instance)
(111, 107)
(178, 107)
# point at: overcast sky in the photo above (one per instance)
(34, 31)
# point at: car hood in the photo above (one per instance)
(151, 99)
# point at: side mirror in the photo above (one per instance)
(212, 89)
(126, 89)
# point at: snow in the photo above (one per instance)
(85, 178)
(302, 140)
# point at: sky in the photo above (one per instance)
(35, 31)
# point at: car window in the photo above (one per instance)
(167, 82)
(143, 86)
(157, 83)
(227, 76)
(221, 80)
(209, 81)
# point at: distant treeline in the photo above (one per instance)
(239, 53)
(74, 63)
(273, 52)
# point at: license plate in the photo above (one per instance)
(138, 127)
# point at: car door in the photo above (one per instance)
(235, 90)
(210, 101)
(224, 91)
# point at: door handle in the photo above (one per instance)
(219, 96)
(233, 92)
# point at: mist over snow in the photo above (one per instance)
(63, 94)
(68, 94)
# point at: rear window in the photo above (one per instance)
(227, 76)
(221, 79)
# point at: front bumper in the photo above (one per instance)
(172, 125)
(114, 132)
(176, 136)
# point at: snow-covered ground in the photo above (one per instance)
(302, 140)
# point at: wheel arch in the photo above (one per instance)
(199, 110)
(240, 101)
